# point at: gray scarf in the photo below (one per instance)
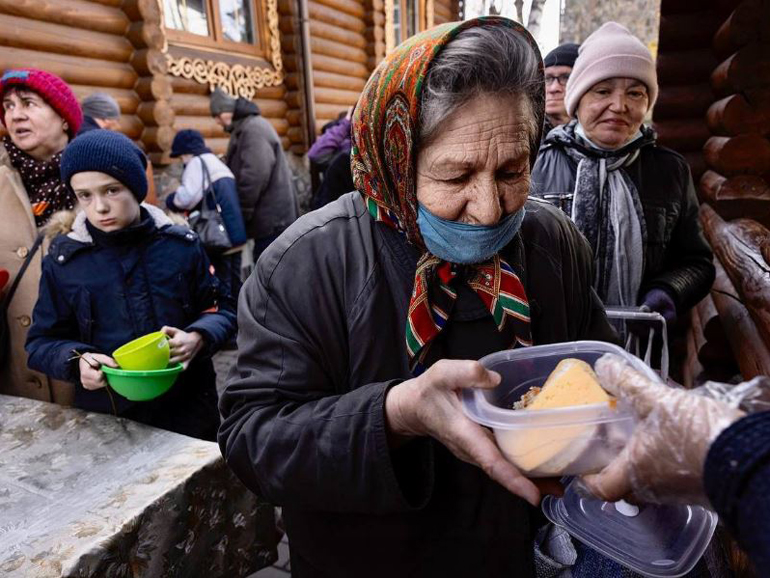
(606, 208)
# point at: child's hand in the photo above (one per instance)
(184, 346)
(91, 374)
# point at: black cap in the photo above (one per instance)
(562, 55)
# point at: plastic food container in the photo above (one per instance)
(653, 540)
(145, 353)
(552, 442)
(142, 385)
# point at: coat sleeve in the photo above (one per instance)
(690, 271)
(257, 159)
(327, 144)
(52, 337)
(190, 192)
(294, 431)
(217, 323)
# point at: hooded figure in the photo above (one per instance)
(256, 158)
(360, 324)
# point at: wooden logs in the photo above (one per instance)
(206, 125)
(156, 113)
(72, 69)
(320, 13)
(738, 245)
(744, 26)
(712, 347)
(737, 196)
(149, 62)
(337, 34)
(685, 67)
(146, 35)
(734, 115)
(142, 10)
(198, 105)
(337, 50)
(351, 7)
(328, 80)
(127, 99)
(73, 13)
(682, 135)
(742, 154)
(334, 65)
(158, 138)
(689, 101)
(344, 98)
(747, 68)
(131, 126)
(687, 31)
(751, 354)
(59, 39)
(154, 88)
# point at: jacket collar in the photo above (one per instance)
(80, 232)
(565, 137)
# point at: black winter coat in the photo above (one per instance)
(322, 339)
(97, 293)
(676, 257)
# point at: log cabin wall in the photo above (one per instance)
(715, 91)
(84, 42)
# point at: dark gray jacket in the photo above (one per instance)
(322, 328)
(676, 257)
(255, 155)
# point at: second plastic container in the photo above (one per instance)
(554, 442)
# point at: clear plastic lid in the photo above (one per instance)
(653, 540)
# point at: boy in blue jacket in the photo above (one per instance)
(122, 271)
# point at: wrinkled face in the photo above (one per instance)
(476, 168)
(34, 126)
(554, 92)
(224, 119)
(108, 204)
(612, 111)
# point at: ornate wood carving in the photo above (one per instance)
(236, 79)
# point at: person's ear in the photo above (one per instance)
(65, 126)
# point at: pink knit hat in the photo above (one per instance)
(51, 88)
(610, 52)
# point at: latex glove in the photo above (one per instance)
(429, 405)
(663, 461)
(184, 346)
(91, 374)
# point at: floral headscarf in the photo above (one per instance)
(385, 131)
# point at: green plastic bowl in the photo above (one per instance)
(142, 385)
(146, 353)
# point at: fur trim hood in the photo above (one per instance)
(73, 223)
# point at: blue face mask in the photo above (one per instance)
(462, 243)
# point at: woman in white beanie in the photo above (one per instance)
(633, 200)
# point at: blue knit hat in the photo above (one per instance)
(188, 142)
(108, 152)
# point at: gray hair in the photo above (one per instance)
(100, 105)
(482, 60)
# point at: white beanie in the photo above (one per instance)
(610, 52)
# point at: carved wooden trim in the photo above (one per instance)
(235, 79)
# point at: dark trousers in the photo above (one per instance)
(263, 243)
(227, 269)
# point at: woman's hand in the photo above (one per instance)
(184, 346)
(429, 405)
(91, 374)
(663, 461)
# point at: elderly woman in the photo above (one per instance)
(363, 321)
(41, 115)
(632, 199)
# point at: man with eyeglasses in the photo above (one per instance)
(558, 65)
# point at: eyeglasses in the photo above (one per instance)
(561, 79)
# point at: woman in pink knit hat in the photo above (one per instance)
(633, 200)
(41, 115)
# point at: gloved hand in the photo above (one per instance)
(661, 301)
(663, 461)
